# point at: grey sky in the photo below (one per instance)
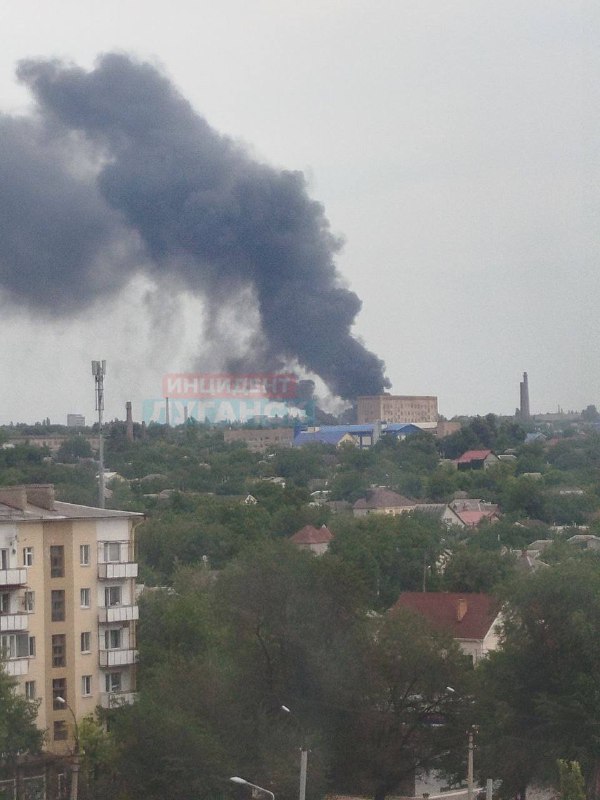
(454, 146)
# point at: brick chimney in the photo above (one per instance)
(461, 608)
(41, 495)
(129, 421)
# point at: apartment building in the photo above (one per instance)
(398, 408)
(67, 605)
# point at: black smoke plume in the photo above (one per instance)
(115, 173)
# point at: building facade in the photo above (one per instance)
(67, 606)
(397, 408)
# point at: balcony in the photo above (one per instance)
(117, 699)
(13, 577)
(17, 666)
(13, 622)
(117, 569)
(118, 614)
(120, 657)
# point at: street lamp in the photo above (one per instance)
(75, 764)
(244, 782)
(303, 763)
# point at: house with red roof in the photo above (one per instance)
(473, 620)
(314, 539)
(477, 459)
(472, 511)
(382, 501)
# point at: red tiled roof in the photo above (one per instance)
(443, 611)
(473, 518)
(383, 498)
(473, 455)
(311, 535)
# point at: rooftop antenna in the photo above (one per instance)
(99, 371)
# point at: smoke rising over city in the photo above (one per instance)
(115, 174)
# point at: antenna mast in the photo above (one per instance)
(99, 371)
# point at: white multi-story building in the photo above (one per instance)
(67, 605)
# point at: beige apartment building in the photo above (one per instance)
(67, 605)
(397, 408)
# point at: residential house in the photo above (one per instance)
(314, 539)
(472, 512)
(477, 459)
(473, 620)
(382, 501)
(442, 512)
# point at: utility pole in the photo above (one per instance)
(303, 772)
(470, 764)
(99, 371)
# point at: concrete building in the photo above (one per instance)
(75, 421)
(67, 605)
(397, 408)
(258, 440)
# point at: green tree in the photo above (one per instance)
(18, 731)
(570, 780)
(538, 698)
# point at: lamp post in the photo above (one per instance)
(303, 762)
(244, 782)
(75, 764)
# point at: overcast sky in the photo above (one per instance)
(454, 146)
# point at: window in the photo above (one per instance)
(14, 645)
(3, 559)
(57, 561)
(112, 639)
(60, 729)
(29, 602)
(28, 556)
(32, 646)
(113, 681)
(59, 689)
(86, 685)
(57, 602)
(59, 650)
(5, 603)
(85, 595)
(84, 555)
(86, 642)
(30, 690)
(112, 551)
(112, 596)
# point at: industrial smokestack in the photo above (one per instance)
(115, 173)
(524, 412)
(129, 421)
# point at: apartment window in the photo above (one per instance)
(84, 555)
(3, 558)
(57, 561)
(112, 639)
(113, 682)
(14, 645)
(31, 647)
(112, 596)
(60, 731)
(29, 602)
(85, 597)
(112, 551)
(86, 642)
(59, 689)
(28, 556)
(59, 650)
(86, 685)
(57, 601)
(4, 602)
(30, 690)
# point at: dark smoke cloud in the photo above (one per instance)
(171, 193)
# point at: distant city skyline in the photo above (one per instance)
(454, 148)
